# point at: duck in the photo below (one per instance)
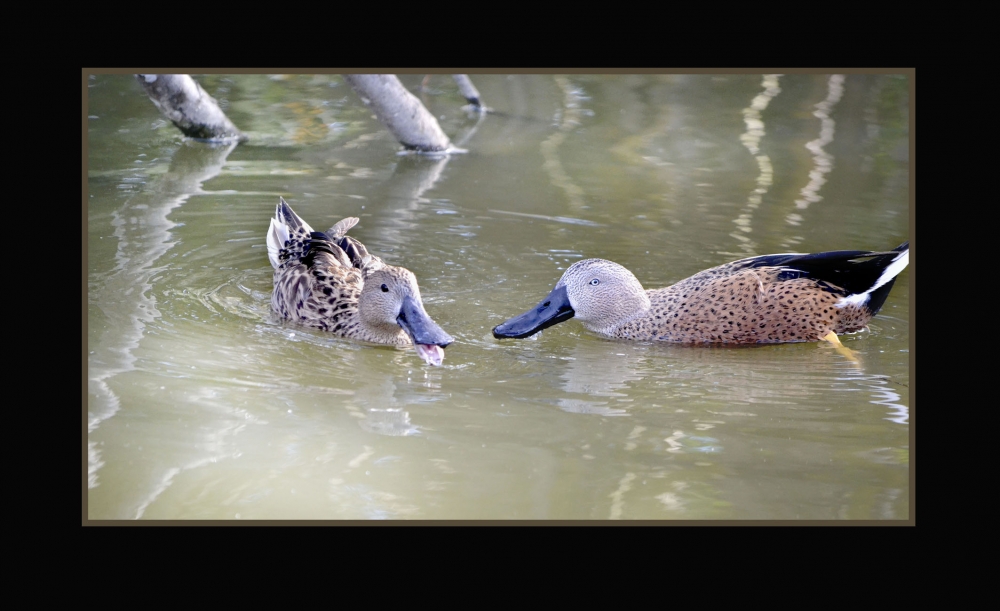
(766, 299)
(329, 281)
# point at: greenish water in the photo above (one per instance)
(202, 406)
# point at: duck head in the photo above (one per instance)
(390, 300)
(601, 294)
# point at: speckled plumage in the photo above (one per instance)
(764, 299)
(329, 281)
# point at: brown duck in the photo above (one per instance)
(329, 281)
(758, 300)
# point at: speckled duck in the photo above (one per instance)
(758, 300)
(329, 281)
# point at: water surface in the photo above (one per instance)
(202, 406)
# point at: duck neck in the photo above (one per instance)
(628, 308)
(384, 333)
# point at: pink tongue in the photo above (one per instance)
(432, 355)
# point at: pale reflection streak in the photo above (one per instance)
(555, 219)
(670, 501)
(380, 404)
(618, 496)
(94, 463)
(673, 441)
(882, 395)
(598, 377)
(404, 200)
(822, 161)
(143, 232)
(630, 443)
(568, 119)
(163, 484)
(355, 462)
(462, 139)
(396, 212)
(891, 496)
(166, 481)
(751, 139)
(595, 375)
(215, 444)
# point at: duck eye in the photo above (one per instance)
(595, 282)
(385, 289)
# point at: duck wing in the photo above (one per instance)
(320, 287)
(287, 235)
(865, 276)
(341, 227)
(359, 255)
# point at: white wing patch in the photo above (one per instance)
(277, 235)
(898, 264)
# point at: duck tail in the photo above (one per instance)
(874, 297)
(284, 225)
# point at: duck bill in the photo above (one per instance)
(429, 339)
(552, 310)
